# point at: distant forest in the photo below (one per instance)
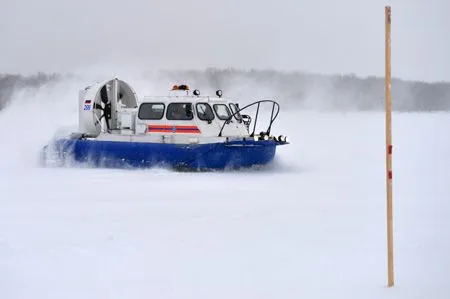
(291, 89)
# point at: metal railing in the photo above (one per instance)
(258, 103)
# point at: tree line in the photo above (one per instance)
(292, 89)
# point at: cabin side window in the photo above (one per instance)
(151, 111)
(234, 109)
(222, 111)
(179, 111)
(204, 112)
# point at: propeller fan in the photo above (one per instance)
(106, 109)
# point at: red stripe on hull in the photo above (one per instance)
(173, 129)
(188, 131)
(158, 131)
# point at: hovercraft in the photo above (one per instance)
(180, 130)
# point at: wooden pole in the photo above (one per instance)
(390, 238)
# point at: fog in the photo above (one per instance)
(310, 225)
(293, 90)
(326, 37)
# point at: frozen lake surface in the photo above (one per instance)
(312, 225)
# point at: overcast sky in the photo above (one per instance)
(345, 36)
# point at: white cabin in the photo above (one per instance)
(111, 111)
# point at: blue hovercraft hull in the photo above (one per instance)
(116, 154)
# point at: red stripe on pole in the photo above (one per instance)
(390, 149)
(390, 174)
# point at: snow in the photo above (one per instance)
(313, 225)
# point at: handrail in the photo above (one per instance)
(272, 117)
